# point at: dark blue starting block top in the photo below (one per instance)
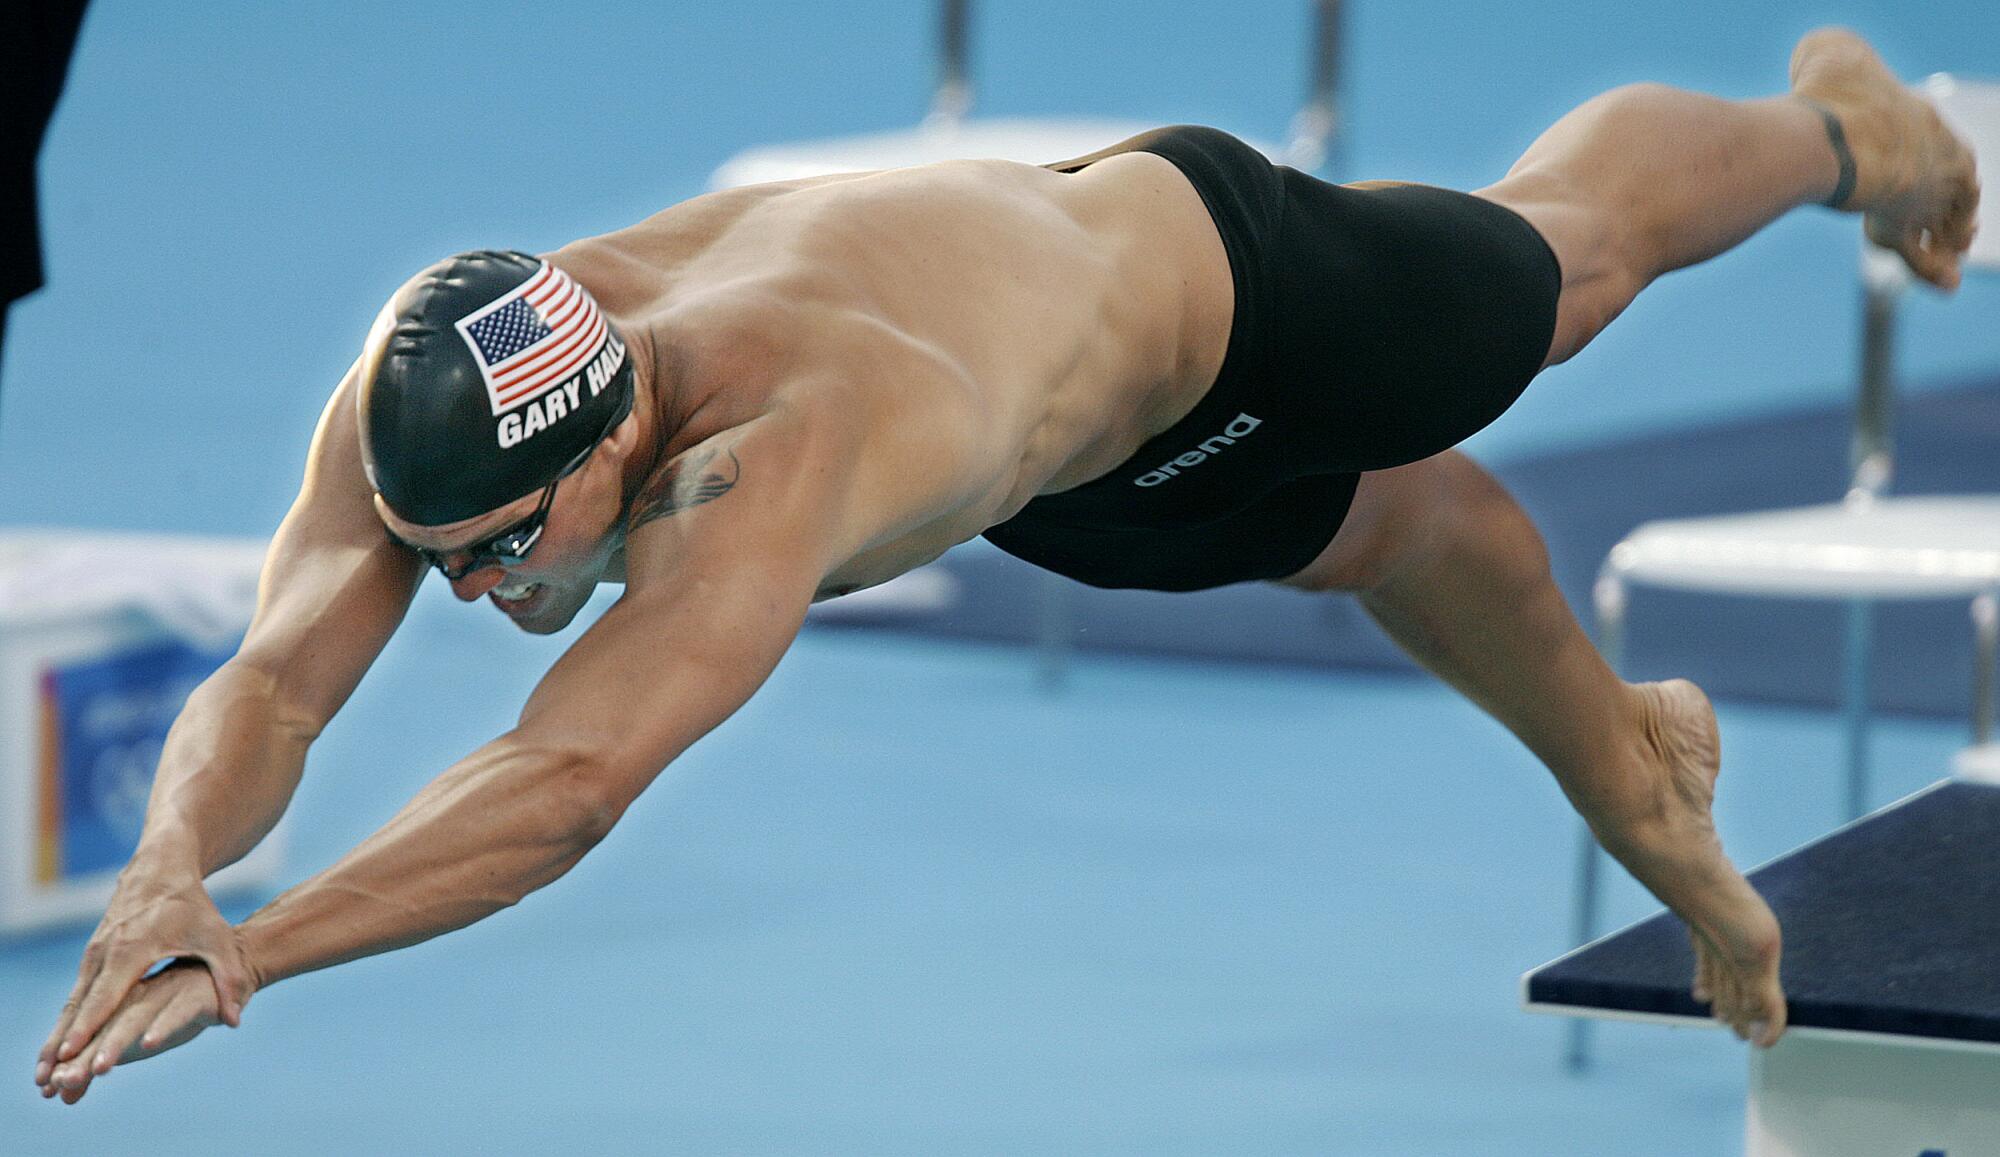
(1892, 925)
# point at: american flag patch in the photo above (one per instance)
(537, 336)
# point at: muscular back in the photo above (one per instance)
(1059, 319)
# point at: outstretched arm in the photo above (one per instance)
(643, 683)
(721, 569)
(647, 680)
(726, 546)
(334, 589)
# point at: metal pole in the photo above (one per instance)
(1055, 623)
(1609, 595)
(1873, 459)
(1986, 644)
(953, 98)
(1860, 643)
(1314, 124)
(1873, 453)
(1576, 1046)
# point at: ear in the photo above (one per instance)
(619, 443)
(613, 456)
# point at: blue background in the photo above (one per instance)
(904, 902)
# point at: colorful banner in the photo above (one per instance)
(104, 721)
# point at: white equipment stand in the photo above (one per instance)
(1892, 973)
(102, 637)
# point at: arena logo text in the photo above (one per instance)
(1238, 428)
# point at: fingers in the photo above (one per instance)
(149, 919)
(72, 1078)
(70, 1091)
(86, 974)
(182, 1018)
(119, 1042)
(163, 1012)
(105, 993)
(46, 1061)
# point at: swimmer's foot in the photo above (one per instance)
(1913, 178)
(1680, 858)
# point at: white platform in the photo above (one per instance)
(1887, 549)
(1972, 108)
(1827, 1095)
(1980, 764)
(1032, 141)
(1834, 1093)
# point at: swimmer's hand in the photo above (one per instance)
(163, 1011)
(154, 916)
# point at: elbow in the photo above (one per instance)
(581, 793)
(591, 812)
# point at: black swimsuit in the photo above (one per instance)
(1372, 328)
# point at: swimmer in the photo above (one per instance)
(1169, 365)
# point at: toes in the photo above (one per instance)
(1926, 256)
(1960, 220)
(1775, 1016)
(1940, 266)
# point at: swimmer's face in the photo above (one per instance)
(542, 591)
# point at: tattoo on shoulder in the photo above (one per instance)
(685, 483)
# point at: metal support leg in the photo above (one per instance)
(1589, 865)
(953, 97)
(1318, 120)
(1860, 647)
(1610, 598)
(1055, 625)
(1986, 645)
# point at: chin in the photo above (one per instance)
(544, 615)
(549, 621)
(542, 626)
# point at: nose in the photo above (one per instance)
(475, 585)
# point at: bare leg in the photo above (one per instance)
(1647, 179)
(1633, 184)
(1450, 566)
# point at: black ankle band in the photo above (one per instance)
(1838, 136)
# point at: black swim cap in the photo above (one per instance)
(495, 374)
